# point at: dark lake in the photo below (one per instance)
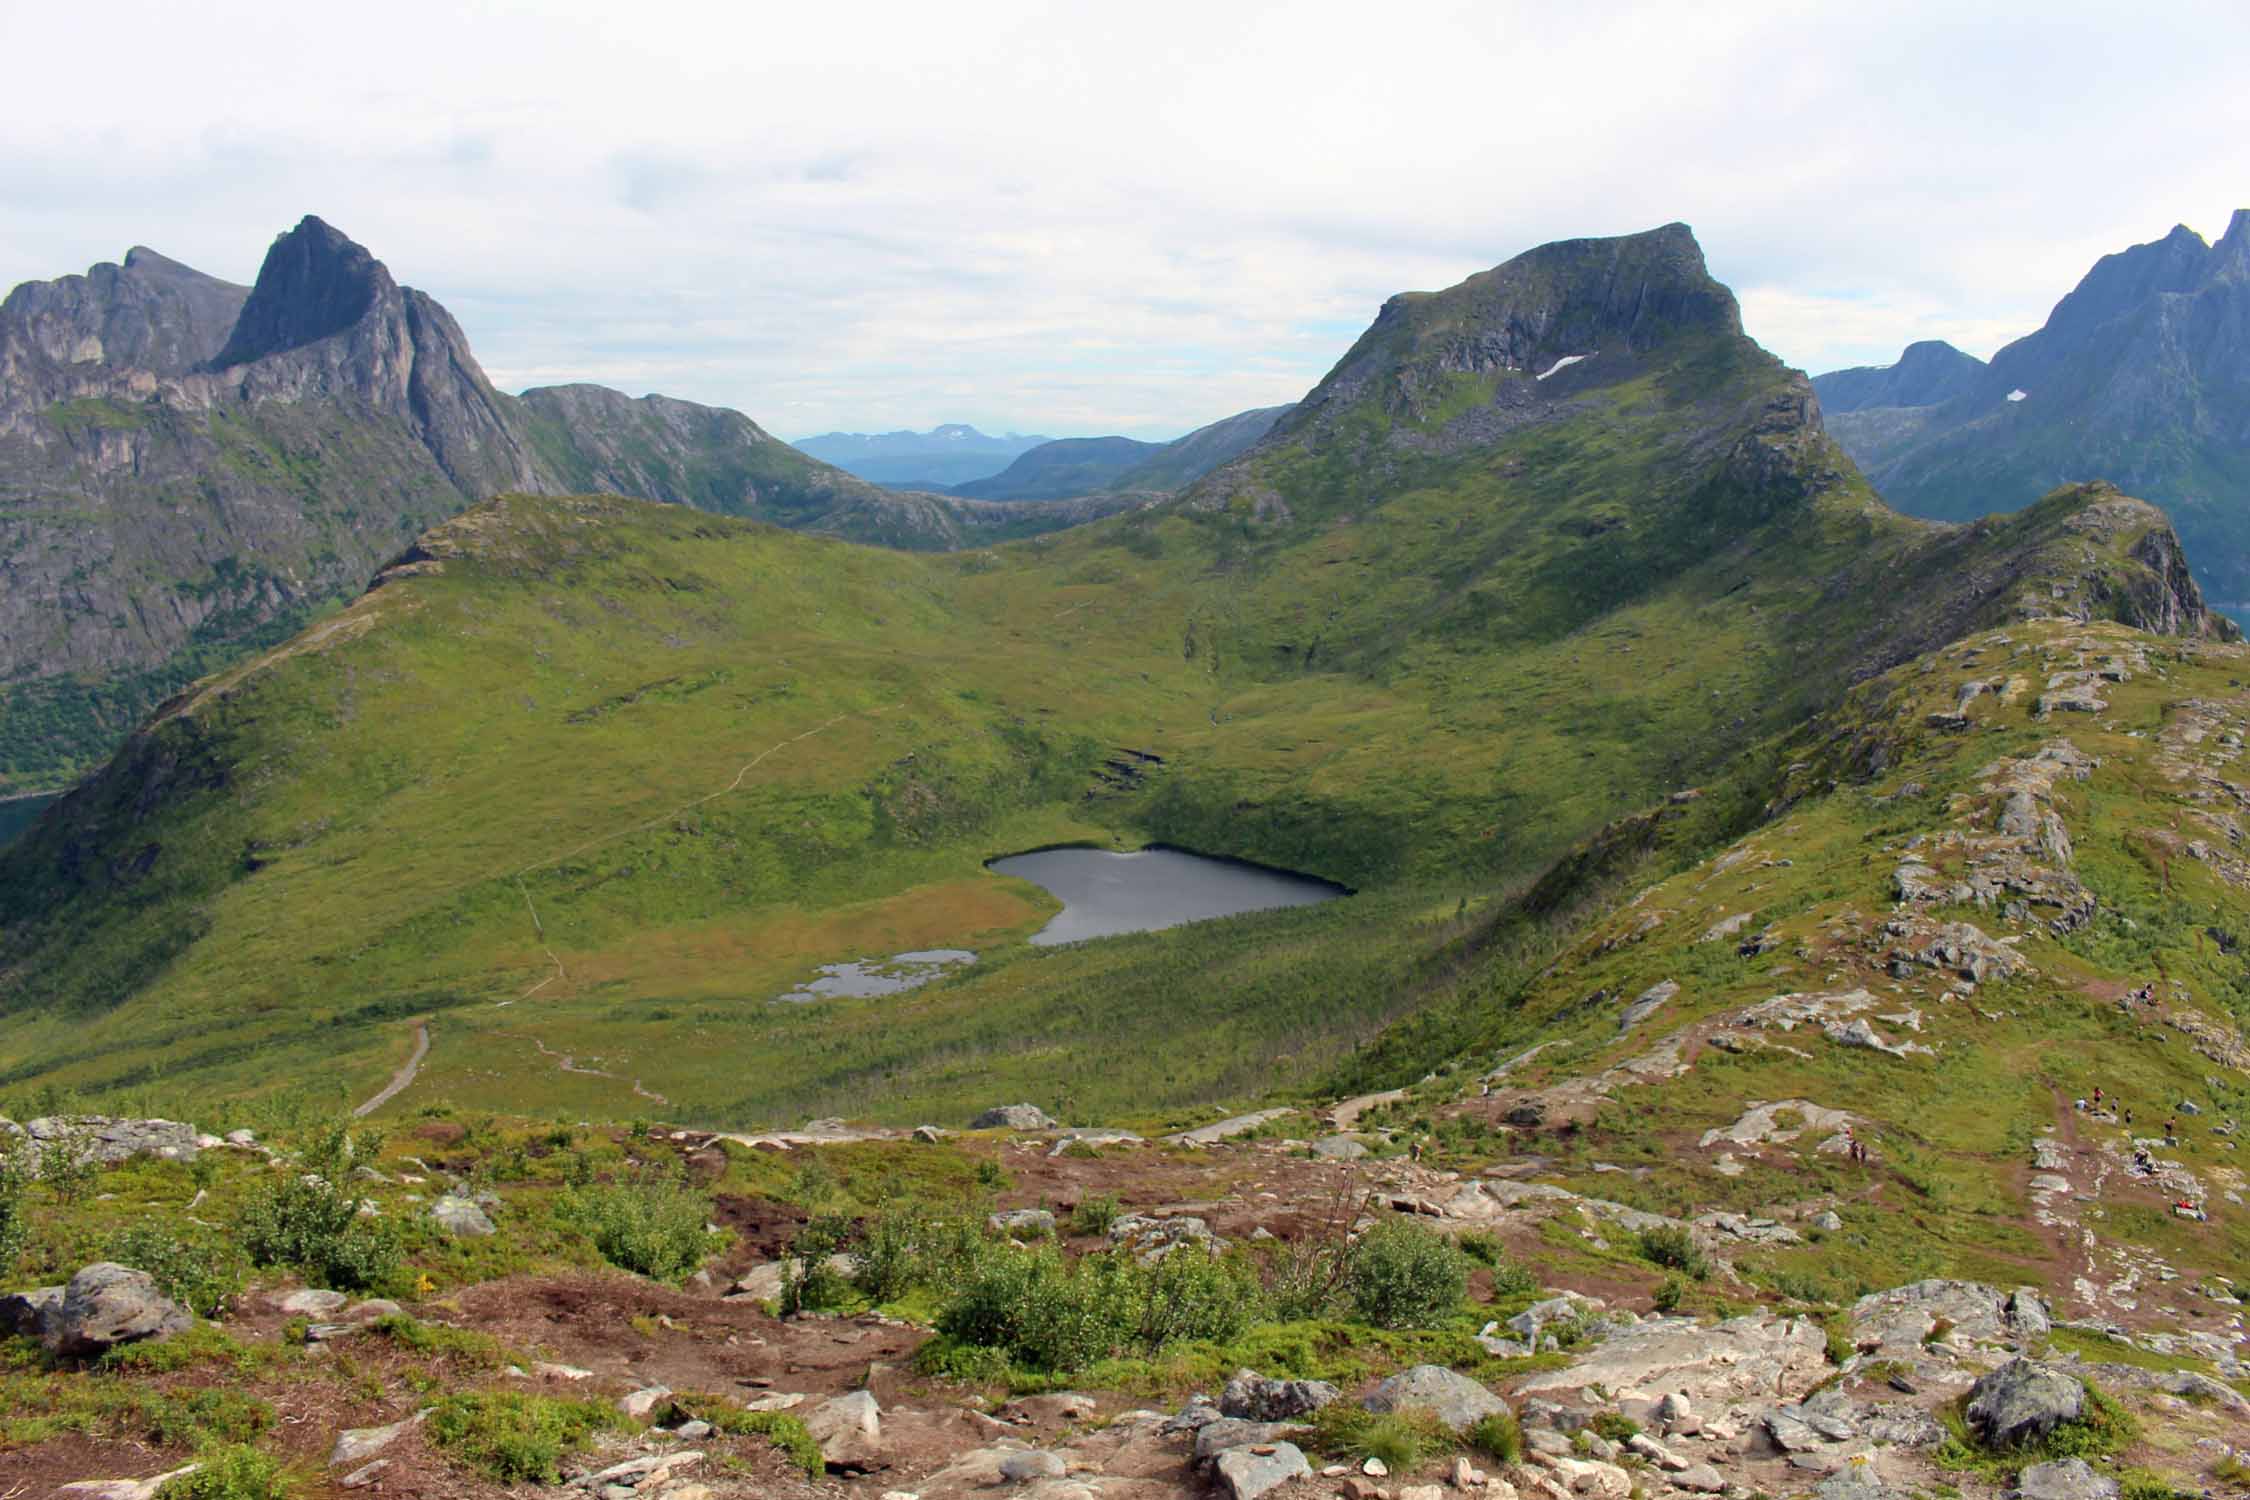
(19, 813)
(1105, 894)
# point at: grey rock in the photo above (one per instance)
(106, 1305)
(106, 1141)
(2064, 1479)
(313, 1302)
(1019, 1468)
(1023, 1223)
(1263, 1398)
(1455, 1399)
(644, 1401)
(355, 1444)
(849, 1429)
(2027, 1315)
(1646, 1004)
(1215, 1438)
(1339, 1148)
(1247, 1475)
(1701, 1479)
(361, 1478)
(1152, 1238)
(459, 1216)
(1013, 1117)
(29, 1315)
(2022, 1401)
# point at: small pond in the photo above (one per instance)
(1105, 894)
(879, 976)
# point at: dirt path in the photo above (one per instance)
(403, 1076)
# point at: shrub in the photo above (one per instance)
(15, 1214)
(514, 1438)
(651, 1225)
(1095, 1215)
(1669, 1294)
(887, 1259)
(231, 1471)
(1498, 1437)
(204, 1277)
(66, 1165)
(784, 1430)
(810, 1282)
(1046, 1313)
(1673, 1247)
(306, 1221)
(1615, 1426)
(1402, 1275)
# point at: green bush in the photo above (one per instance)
(15, 1212)
(1615, 1426)
(514, 1438)
(1047, 1313)
(784, 1430)
(1498, 1437)
(887, 1257)
(651, 1225)
(1669, 1294)
(231, 1471)
(1095, 1215)
(1403, 1275)
(1402, 1439)
(306, 1221)
(1674, 1248)
(810, 1282)
(205, 1277)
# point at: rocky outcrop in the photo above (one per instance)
(1264, 1398)
(1013, 1117)
(1456, 1400)
(106, 1305)
(1738, 1360)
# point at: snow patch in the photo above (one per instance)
(2018, 395)
(1562, 364)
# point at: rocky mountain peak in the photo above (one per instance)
(316, 282)
(2231, 256)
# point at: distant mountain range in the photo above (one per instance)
(2141, 376)
(1071, 467)
(950, 454)
(190, 469)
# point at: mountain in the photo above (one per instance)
(191, 470)
(950, 454)
(1184, 460)
(1065, 467)
(2140, 376)
(1929, 373)
(1070, 467)
(1546, 547)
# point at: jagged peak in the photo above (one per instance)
(315, 283)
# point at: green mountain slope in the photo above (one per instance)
(191, 471)
(580, 772)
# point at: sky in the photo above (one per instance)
(1081, 218)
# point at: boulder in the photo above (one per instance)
(2064, 1479)
(1700, 1478)
(2021, 1402)
(1227, 1433)
(459, 1216)
(123, 1489)
(1262, 1398)
(1013, 1117)
(27, 1315)
(106, 1305)
(1339, 1148)
(1455, 1399)
(1024, 1223)
(1896, 1323)
(313, 1302)
(643, 1402)
(849, 1429)
(1021, 1468)
(1535, 1318)
(1246, 1474)
(106, 1141)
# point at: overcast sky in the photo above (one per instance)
(1095, 218)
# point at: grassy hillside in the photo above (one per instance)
(585, 777)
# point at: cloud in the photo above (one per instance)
(1069, 218)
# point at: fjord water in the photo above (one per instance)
(1105, 894)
